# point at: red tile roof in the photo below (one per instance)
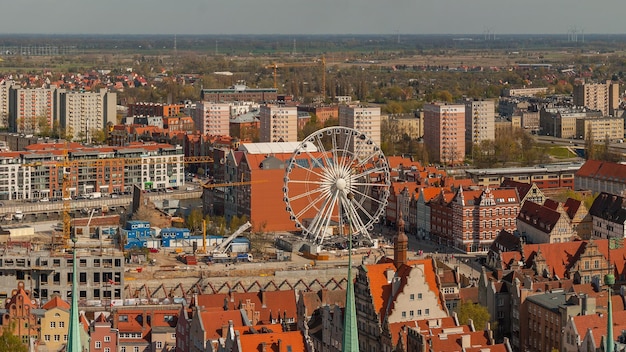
(381, 290)
(289, 341)
(597, 324)
(214, 320)
(56, 302)
(276, 302)
(603, 170)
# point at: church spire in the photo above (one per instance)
(400, 245)
(73, 338)
(350, 341)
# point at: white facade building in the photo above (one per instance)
(30, 109)
(480, 116)
(82, 113)
(278, 123)
(5, 85)
(363, 119)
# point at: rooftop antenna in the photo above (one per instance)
(293, 52)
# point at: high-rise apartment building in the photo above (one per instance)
(363, 119)
(278, 123)
(82, 113)
(31, 110)
(444, 132)
(598, 96)
(212, 118)
(479, 121)
(5, 85)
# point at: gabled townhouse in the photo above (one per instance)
(587, 333)
(21, 315)
(541, 224)
(269, 341)
(135, 327)
(395, 291)
(422, 210)
(55, 324)
(319, 312)
(102, 335)
(526, 191)
(608, 214)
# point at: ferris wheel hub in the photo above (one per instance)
(341, 184)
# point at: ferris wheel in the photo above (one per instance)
(336, 179)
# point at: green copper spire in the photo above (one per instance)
(609, 280)
(350, 340)
(73, 338)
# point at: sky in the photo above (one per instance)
(311, 16)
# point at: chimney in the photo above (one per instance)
(466, 341)
(280, 345)
(144, 319)
(263, 299)
(263, 347)
(224, 330)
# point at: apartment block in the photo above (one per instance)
(445, 140)
(155, 109)
(365, 120)
(278, 123)
(212, 118)
(31, 110)
(37, 171)
(598, 96)
(5, 86)
(240, 92)
(600, 129)
(479, 121)
(83, 113)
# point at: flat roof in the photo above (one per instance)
(526, 170)
(274, 148)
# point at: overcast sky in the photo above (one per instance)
(310, 16)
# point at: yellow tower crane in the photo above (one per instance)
(321, 62)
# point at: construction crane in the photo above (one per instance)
(220, 250)
(66, 197)
(321, 62)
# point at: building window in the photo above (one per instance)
(61, 324)
(107, 339)
(159, 344)
(53, 324)
(46, 337)
(123, 349)
(427, 311)
(57, 338)
(98, 344)
(404, 314)
(107, 349)
(419, 296)
(412, 297)
(136, 349)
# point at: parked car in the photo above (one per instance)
(154, 250)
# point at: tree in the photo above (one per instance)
(10, 342)
(479, 314)
(194, 219)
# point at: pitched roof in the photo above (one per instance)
(214, 320)
(522, 188)
(276, 302)
(56, 302)
(603, 170)
(538, 216)
(596, 323)
(609, 207)
(289, 341)
(380, 288)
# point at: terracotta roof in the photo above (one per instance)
(289, 341)
(603, 170)
(453, 342)
(214, 320)
(381, 290)
(596, 323)
(276, 302)
(491, 348)
(469, 294)
(56, 302)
